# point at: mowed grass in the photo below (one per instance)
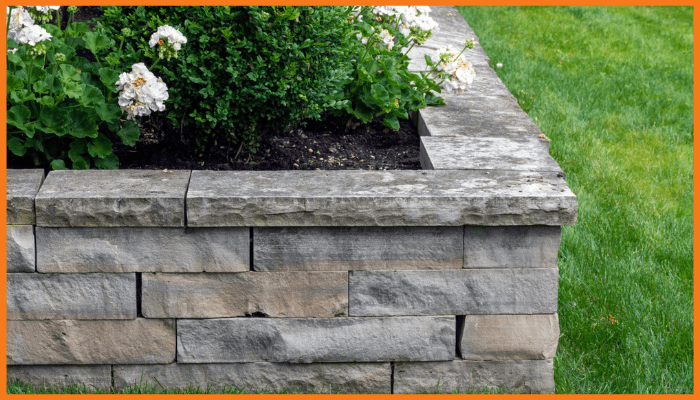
(613, 89)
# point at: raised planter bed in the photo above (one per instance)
(367, 281)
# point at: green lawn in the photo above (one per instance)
(613, 89)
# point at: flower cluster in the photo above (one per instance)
(410, 20)
(22, 27)
(141, 92)
(169, 39)
(459, 71)
(384, 36)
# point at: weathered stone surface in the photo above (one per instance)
(509, 337)
(357, 248)
(71, 296)
(58, 376)
(378, 198)
(102, 198)
(143, 249)
(21, 254)
(511, 246)
(263, 377)
(458, 376)
(22, 187)
(276, 294)
(137, 341)
(512, 154)
(308, 340)
(467, 291)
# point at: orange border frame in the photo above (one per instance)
(3, 156)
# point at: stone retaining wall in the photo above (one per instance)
(352, 281)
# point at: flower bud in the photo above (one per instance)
(60, 57)
(126, 32)
(72, 9)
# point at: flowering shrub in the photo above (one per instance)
(62, 111)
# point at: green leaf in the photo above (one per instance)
(16, 146)
(112, 59)
(363, 75)
(109, 77)
(77, 29)
(391, 121)
(81, 163)
(400, 112)
(15, 59)
(58, 164)
(72, 90)
(14, 83)
(108, 112)
(81, 123)
(21, 96)
(129, 133)
(91, 96)
(40, 87)
(54, 120)
(11, 44)
(46, 101)
(363, 113)
(434, 100)
(379, 94)
(428, 60)
(100, 146)
(96, 41)
(67, 73)
(109, 162)
(18, 115)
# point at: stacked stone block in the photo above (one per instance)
(342, 281)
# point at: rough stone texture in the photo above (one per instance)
(58, 376)
(467, 291)
(71, 296)
(21, 254)
(378, 198)
(357, 248)
(511, 246)
(308, 340)
(527, 376)
(101, 198)
(22, 187)
(509, 337)
(137, 341)
(275, 294)
(512, 154)
(263, 377)
(143, 249)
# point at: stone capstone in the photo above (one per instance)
(509, 337)
(71, 296)
(143, 249)
(460, 376)
(378, 198)
(511, 246)
(58, 376)
(22, 187)
(274, 294)
(309, 340)
(137, 341)
(262, 377)
(357, 248)
(20, 248)
(456, 292)
(105, 198)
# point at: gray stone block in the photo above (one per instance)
(102, 198)
(262, 377)
(22, 187)
(71, 296)
(511, 246)
(458, 376)
(143, 249)
(481, 291)
(357, 248)
(59, 376)
(509, 337)
(136, 341)
(275, 294)
(309, 340)
(378, 198)
(21, 251)
(511, 154)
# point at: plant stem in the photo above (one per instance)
(58, 18)
(53, 76)
(9, 18)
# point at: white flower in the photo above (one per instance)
(460, 72)
(141, 92)
(12, 51)
(46, 9)
(362, 38)
(387, 39)
(174, 37)
(19, 19)
(32, 35)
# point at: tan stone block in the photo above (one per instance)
(275, 294)
(59, 376)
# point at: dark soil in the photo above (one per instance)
(320, 145)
